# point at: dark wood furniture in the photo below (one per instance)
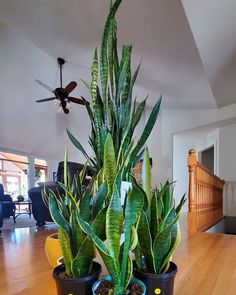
(19, 210)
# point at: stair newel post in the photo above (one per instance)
(192, 168)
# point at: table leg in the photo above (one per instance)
(14, 215)
(30, 210)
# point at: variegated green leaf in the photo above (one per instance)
(110, 169)
(104, 58)
(114, 227)
(145, 242)
(82, 263)
(146, 176)
(64, 241)
(133, 210)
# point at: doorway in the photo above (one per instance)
(207, 158)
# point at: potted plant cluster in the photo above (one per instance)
(158, 236)
(78, 272)
(97, 218)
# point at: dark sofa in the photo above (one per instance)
(1, 217)
(39, 208)
(7, 203)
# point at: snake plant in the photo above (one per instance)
(113, 110)
(77, 247)
(119, 219)
(158, 229)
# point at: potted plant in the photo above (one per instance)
(114, 117)
(158, 236)
(119, 220)
(78, 272)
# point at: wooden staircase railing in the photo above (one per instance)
(205, 196)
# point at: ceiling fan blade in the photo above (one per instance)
(70, 87)
(45, 99)
(44, 85)
(76, 100)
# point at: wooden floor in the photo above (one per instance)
(206, 264)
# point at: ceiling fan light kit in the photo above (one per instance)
(61, 95)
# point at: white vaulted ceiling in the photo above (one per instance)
(187, 49)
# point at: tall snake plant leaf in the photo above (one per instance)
(110, 46)
(78, 145)
(115, 54)
(76, 234)
(129, 99)
(138, 113)
(99, 224)
(87, 85)
(94, 74)
(89, 111)
(141, 191)
(146, 132)
(154, 220)
(125, 75)
(133, 121)
(114, 227)
(102, 249)
(129, 273)
(133, 210)
(66, 250)
(82, 263)
(57, 216)
(175, 239)
(97, 109)
(162, 244)
(99, 199)
(146, 176)
(85, 202)
(167, 198)
(103, 57)
(138, 256)
(110, 169)
(145, 241)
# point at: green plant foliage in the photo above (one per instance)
(158, 229)
(77, 247)
(114, 253)
(113, 110)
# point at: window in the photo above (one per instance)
(41, 169)
(13, 174)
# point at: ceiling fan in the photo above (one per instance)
(62, 94)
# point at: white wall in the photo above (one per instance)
(227, 146)
(174, 122)
(197, 139)
(25, 126)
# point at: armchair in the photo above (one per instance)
(8, 206)
(39, 209)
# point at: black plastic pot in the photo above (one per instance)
(76, 286)
(158, 283)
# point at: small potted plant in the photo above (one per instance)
(78, 272)
(158, 236)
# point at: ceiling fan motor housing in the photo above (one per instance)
(61, 61)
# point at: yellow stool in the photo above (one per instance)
(53, 250)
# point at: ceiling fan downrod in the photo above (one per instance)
(61, 62)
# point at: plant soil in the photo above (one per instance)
(105, 286)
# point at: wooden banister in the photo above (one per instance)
(205, 196)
